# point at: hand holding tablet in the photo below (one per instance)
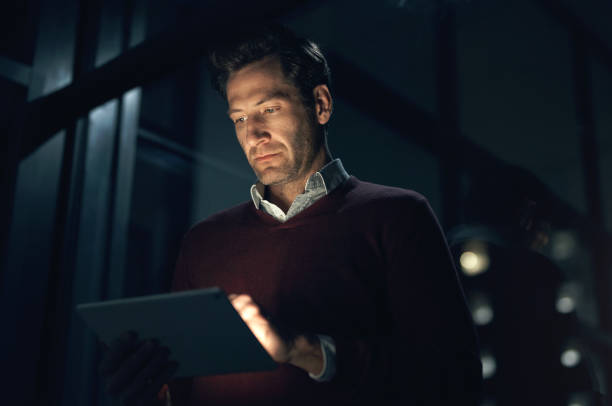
(135, 370)
(201, 329)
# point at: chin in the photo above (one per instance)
(271, 180)
(272, 177)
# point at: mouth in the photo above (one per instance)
(265, 157)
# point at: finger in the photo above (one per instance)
(249, 312)
(239, 297)
(236, 301)
(247, 308)
(130, 367)
(241, 301)
(117, 351)
(145, 376)
(166, 374)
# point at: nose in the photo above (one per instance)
(256, 131)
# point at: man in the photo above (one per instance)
(348, 285)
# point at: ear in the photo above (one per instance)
(323, 103)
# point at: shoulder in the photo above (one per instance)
(395, 215)
(372, 195)
(387, 208)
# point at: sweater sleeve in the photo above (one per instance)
(428, 355)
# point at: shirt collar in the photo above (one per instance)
(325, 180)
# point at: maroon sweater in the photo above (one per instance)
(367, 265)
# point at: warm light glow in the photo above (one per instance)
(474, 261)
(469, 261)
(489, 366)
(565, 304)
(570, 357)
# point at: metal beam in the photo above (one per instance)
(586, 127)
(13, 99)
(142, 64)
(601, 260)
(448, 111)
(600, 48)
(15, 71)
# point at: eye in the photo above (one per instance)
(240, 120)
(270, 109)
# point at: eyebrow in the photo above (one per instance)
(278, 94)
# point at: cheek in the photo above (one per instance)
(278, 125)
(239, 133)
(241, 142)
(286, 130)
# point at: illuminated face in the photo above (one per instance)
(272, 125)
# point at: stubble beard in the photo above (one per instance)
(304, 150)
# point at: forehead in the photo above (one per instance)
(260, 77)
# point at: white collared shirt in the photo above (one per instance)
(319, 184)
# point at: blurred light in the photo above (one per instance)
(563, 245)
(469, 260)
(570, 357)
(579, 399)
(489, 366)
(483, 315)
(474, 260)
(482, 311)
(565, 304)
(567, 297)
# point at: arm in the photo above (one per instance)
(301, 351)
(427, 352)
(134, 371)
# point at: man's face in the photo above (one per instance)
(272, 125)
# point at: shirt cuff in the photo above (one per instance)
(328, 349)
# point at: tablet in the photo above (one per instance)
(201, 328)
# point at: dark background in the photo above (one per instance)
(499, 112)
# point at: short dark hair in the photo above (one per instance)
(301, 59)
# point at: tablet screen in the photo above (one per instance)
(201, 328)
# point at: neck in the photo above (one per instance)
(284, 194)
